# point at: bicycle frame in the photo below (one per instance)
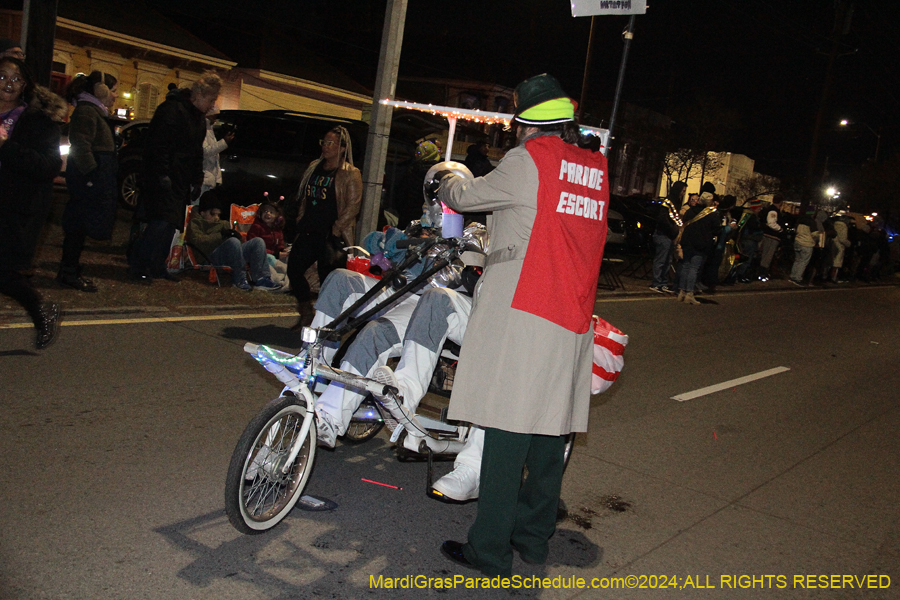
(299, 374)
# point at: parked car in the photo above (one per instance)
(270, 151)
(633, 220)
(130, 151)
(615, 229)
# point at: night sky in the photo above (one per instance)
(763, 60)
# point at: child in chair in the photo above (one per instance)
(223, 247)
(268, 226)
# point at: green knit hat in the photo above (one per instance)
(428, 150)
(540, 100)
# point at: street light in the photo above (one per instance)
(834, 196)
(845, 123)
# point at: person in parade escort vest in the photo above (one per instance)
(525, 369)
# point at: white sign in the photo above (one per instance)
(586, 8)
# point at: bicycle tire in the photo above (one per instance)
(258, 495)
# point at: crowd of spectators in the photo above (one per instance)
(709, 241)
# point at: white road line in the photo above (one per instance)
(724, 386)
(66, 323)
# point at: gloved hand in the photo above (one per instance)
(230, 233)
(435, 183)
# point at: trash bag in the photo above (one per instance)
(609, 346)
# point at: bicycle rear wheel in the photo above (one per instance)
(258, 491)
(362, 426)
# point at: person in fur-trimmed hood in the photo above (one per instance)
(29, 161)
(91, 172)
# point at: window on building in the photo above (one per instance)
(468, 100)
(59, 82)
(147, 100)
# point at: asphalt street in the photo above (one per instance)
(116, 441)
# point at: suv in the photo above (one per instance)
(270, 151)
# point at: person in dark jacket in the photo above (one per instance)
(772, 234)
(173, 171)
(668, 224)
(701, 224)
(29, 160)
(90, 173)
(410, 198)
(749, 235)
(477, 159)
(727, 230)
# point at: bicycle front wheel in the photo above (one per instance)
(260, 490)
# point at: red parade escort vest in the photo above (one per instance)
(562, 262)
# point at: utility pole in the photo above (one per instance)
(380, 125)
(841, 24)
(38, 33)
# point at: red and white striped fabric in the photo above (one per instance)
(609, 345)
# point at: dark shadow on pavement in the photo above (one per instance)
(375, 531)
(270, 335)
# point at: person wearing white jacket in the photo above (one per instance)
(839, 245)
(212, 172)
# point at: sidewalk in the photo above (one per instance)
(630, 276)
(104, 262)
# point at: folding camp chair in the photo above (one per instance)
(242, 217)
(185, 256)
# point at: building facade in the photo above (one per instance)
(147, 53)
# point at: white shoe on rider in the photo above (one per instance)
(326, 430)
(460, 484)
(385, 375)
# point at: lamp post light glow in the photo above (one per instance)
(846, 122)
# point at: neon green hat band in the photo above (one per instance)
(558, 110)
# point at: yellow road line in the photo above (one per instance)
(655, 298)
(157, 320)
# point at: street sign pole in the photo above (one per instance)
(592, 8)
(628, 35)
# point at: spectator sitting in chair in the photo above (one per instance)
(267, 226)
(222, 246)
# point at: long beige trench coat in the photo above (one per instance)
(517, 372)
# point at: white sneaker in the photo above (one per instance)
(385, 375)
(460, 484)
(326, 430)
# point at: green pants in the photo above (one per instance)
(513, 513)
